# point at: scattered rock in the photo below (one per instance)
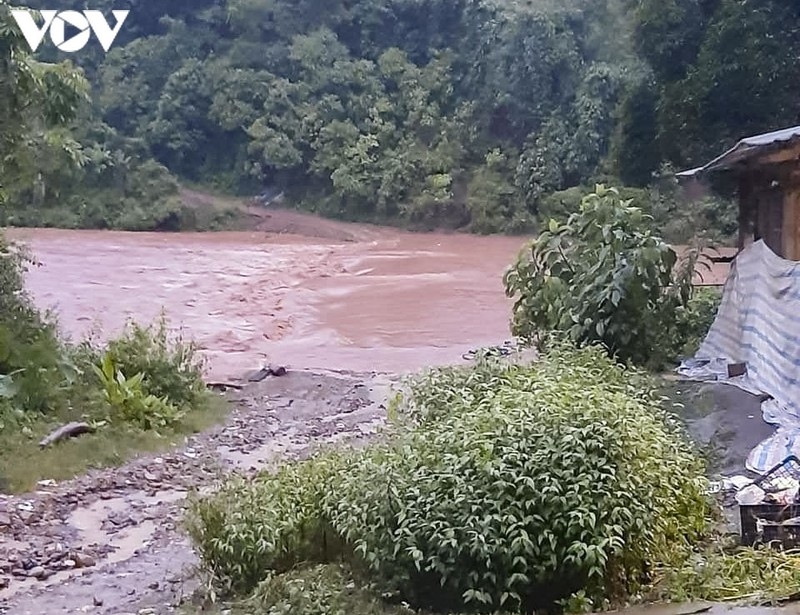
(97, 601)
(5, 519)
(37, 572)
(269, 370)
(4, 582)
(258, 376)
(224, 386)
(277, 370)
(121, 519)
(56, 556)
(82, 560)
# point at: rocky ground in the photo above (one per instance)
(110, 542)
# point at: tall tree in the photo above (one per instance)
(36, 99)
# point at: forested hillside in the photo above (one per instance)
(462, 113)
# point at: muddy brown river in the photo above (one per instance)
(377, 299)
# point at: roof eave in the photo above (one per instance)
(741, 151)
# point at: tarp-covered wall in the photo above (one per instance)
(759, 324)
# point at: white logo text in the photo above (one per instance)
(84, 22)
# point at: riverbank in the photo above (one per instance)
(110, 542)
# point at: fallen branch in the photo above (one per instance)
(224, 385)
(269, 370)
(70, 430)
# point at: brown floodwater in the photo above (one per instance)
(381, 300)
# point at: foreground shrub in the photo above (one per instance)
(562, 477)
(30, 353)
(603, 277)
(170, 366)
(501, 488)
(251, 529)
(752, 575)
(317, 590)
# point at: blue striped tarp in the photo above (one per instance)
(758, 323)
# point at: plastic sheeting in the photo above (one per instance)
(758, 323)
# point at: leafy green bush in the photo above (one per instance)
(694, 321)
(251, 529)
(602, 277)
(316, 590)
(30, 352)
(128, 401)
(171, 367)
(499, 487)
(562, 477)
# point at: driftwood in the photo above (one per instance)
(70, 430)
(270, 370)
(224, 385)
(255, 376)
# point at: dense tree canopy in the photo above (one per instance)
(723, 69)
(459, 112)
(36, 101)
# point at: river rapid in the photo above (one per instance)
(353, 297)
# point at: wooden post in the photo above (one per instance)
(747, 211)
(791, 213)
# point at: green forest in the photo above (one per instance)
(481, 115)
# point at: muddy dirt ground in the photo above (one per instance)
(725, 422)
(110, 542)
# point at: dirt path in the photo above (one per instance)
(110, 542)
(282, 221)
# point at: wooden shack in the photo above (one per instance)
(765, 170)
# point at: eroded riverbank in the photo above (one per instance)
(110, 542)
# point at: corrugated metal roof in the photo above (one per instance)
(744, 149)
(787, 134)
